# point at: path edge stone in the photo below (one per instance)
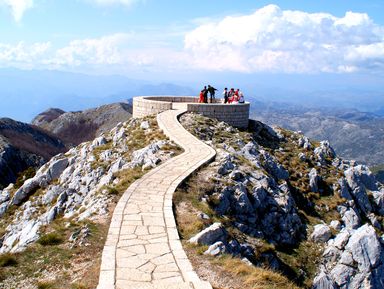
(178, 252)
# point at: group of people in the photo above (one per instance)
(229, 96)
(233, 96)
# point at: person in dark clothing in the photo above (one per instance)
(211, 90)
(225, 94)
(205, 92)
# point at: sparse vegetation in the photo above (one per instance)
(56, 262)
(50, 239)
(298, 263)
(23, 176)
(7, 260)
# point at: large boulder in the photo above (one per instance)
(360, 175)
(365, 248)
(324, 151)
(214, 233)
(314, 179)
(321, 233)
(353, 260)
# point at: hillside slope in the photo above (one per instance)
(276, 210)
(23, 146)
(75, 127)
(53, 228)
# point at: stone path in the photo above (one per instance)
(143, 249)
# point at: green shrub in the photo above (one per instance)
(46, 285)
(7, 260)
(50, 239)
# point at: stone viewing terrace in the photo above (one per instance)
(236, 115)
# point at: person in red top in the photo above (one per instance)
(236, 95)
(231, 95)
(201, 97)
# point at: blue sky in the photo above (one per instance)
(163, 37)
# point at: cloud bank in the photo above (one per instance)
(268, 40)
(18, 7)
(271, 39)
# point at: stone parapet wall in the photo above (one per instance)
(234, 114)
(143, 106)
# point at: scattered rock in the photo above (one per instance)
(314, 180)
(215, 249)
(214, 233)
(144, 125)
(321, 233)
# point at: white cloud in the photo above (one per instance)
(271, 39)
(98, 51)
(23, 55)
(18, 7)
(114, 2)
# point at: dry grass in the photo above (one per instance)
(254, 277)
(58, 262)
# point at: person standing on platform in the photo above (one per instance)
(225, 95)
(211, 90)
(205, 92)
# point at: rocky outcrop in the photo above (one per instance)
(321, 233)
(261, 186)
(210, 235)
(354, 258)
(77, 185)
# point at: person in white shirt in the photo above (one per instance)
(241, 97)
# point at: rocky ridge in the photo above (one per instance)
(76, 127)
(80, 184)
(25, 146)
(273, 189)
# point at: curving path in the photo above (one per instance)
(143, 249)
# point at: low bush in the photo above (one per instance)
(7, 260)
(50, 239)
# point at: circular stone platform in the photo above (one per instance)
(236, 115)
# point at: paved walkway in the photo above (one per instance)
(143, 249)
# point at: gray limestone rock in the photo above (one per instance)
(321, 233)
(344, 189)
(216, 249)
(302, 157)
(314, 179)
(56, 168)
(214, 233)
(273, 167)
(341, 239)
(350, 217)
(241, 204)
(226, 165)
(250, 151)
(323, 281)
(335, 224)
(360, 175)
(378, 198)
(144, 125)
(324, 151)
(365, 248)
(101, 140)
(304, 143)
